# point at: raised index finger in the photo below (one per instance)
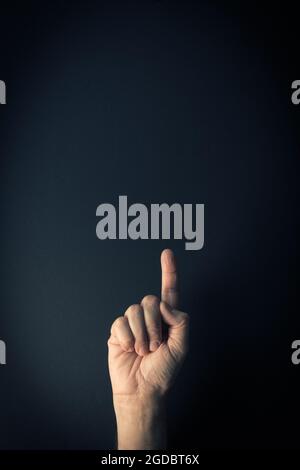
(169, 279)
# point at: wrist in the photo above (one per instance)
(141, 421)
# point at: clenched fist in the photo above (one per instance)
(146, 348)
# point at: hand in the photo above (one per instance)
(141, 360)
(147, 347)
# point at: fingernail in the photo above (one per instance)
(154, 345)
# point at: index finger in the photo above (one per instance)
(169, 279)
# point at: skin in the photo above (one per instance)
(146, 347)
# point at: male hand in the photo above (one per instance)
(146, 348)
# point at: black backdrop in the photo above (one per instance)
(164, 102)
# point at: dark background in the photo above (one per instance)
(164, 102)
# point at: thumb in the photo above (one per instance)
(178, 323)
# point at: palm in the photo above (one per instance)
(131, 373)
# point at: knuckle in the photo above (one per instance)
(116, 325)
(133, 310)
(118, 322)
(150, 301)
(170, 290)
